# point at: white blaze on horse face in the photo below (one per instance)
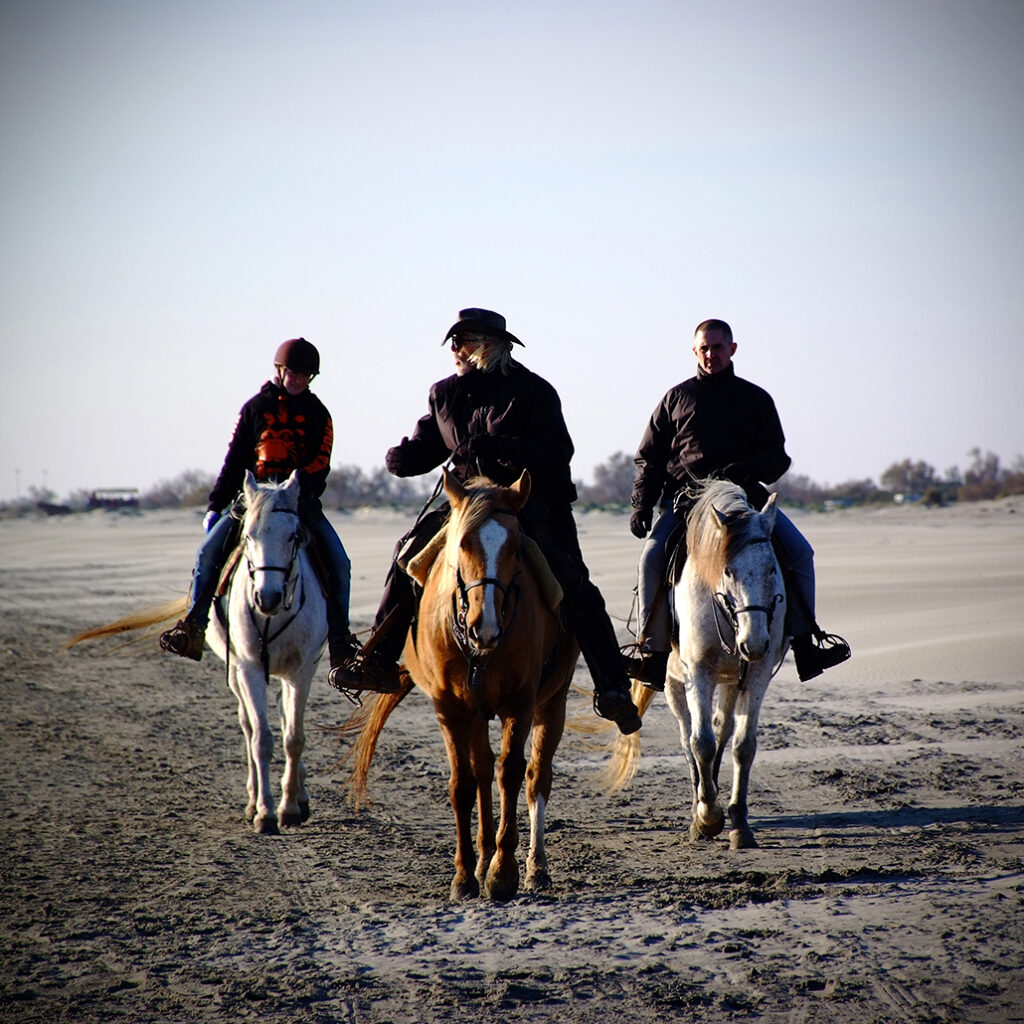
(752, 583)
(493, 537)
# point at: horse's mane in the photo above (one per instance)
(709, 548)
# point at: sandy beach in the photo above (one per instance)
(887, 798)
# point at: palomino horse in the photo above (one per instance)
(273, 623)
(486, 642)
(729, 607)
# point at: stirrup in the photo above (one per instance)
(832, 648)
(185, 639)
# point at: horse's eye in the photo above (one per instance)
(728, 573)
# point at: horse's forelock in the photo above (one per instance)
(264, 498)
(483, 501)
(709, 546)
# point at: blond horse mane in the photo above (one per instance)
(709, 547)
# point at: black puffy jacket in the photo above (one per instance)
(521, 415)
(710, 425)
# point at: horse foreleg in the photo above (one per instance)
(293, 808)
(503, 875)
(708, 817)
(252, 691)
(744, 747)
(462, 791)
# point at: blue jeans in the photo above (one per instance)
(654, 616)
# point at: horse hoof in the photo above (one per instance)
(464, 889)
(538, 881)
(709, 820)
(501, 890)
(265, 825)
(288, 818)
(304, 810)
(742, 839)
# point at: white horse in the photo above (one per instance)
(729, 607)
(271, 622)
(275, 625)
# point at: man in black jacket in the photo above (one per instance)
(496, 418)
(716, 425)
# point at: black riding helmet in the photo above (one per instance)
(299, 356)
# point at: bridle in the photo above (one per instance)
(291, 579)
(724, 604)
(510, 593)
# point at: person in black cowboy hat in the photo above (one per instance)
(495, 418)
(716, 424)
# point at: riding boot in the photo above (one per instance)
(649, 668)
(187, 637)
(600, 648)
(375, 666)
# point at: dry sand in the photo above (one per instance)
(887, 796)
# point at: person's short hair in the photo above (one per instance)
(715, 325)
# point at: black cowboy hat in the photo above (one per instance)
(481, 321)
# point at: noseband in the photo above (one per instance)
(287, 570)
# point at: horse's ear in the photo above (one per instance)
(292, 483)
(249, 486)
(455, 491)
(721, 518)
(769, 510)
(521, 488)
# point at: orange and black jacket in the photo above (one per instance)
(276, 433)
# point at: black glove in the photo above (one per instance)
(640, 522)
(393, 461)
(481, 446)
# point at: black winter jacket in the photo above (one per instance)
(274, 434)
(521, 415)
(710, 425)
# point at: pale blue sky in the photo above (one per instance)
(185, 185)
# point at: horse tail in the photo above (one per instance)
(143, 619)
(619, 771)
(368, 722)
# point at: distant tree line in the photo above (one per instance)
(906, 480)
(349, 487)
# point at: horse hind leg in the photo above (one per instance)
(502, 882)
(462, 792)
(546, 737)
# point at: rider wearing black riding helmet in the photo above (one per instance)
(284, 427)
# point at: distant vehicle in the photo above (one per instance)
(114, 498)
